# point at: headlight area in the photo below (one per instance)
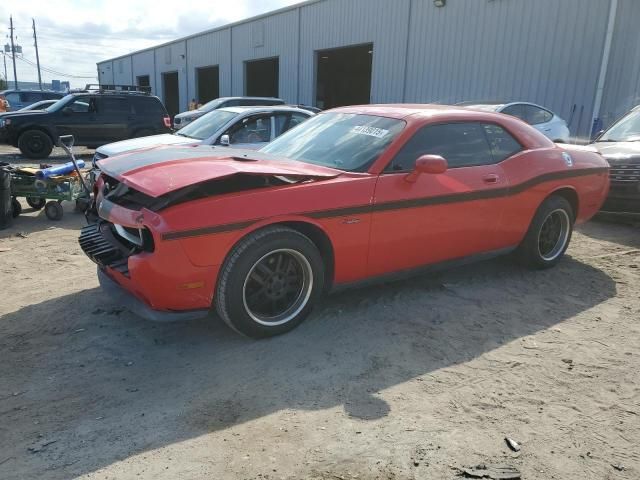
(111, 245)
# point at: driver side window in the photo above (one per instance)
(251, 130)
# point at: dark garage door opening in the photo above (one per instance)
(208, 84)
(171, 93)
(344, 76)
(262, 77)
(143, 81)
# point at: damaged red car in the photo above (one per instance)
(351, 195)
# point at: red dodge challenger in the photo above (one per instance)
(353, 194)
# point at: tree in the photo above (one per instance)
(3, 84)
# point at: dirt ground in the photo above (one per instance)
(409, 380)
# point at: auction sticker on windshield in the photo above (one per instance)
(370, 131)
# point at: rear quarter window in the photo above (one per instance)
(148, 106)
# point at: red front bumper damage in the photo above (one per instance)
(164, 279)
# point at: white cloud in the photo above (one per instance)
(75, 34)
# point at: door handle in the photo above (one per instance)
(491, 178)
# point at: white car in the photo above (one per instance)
(239, 127)
(540, 118)
(185, 118)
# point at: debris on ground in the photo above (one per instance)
(493, 472)
(5, 249)
(512, 444)
(21, 235)
(41, 446)
(618, 466)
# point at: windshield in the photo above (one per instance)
(207, 125)
(59, 104)
(345, 141)
(627, 129)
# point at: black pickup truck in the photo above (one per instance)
(620, 145)
(94, 116)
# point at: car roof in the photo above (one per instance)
(264, 108)
(250, 98)
(496, 106)
(399, 110)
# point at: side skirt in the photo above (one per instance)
(422, 270)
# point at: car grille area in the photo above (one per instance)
(625, 174)
(97, 242)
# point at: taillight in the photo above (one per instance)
(167, 121)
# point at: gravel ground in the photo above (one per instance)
(406, 380)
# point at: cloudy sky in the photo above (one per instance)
(75, 34)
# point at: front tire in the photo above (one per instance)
(270, 282)
(35, 144)
(549, 234)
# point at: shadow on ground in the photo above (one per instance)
(105, 385)
(615, 230)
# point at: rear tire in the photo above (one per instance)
(270, 282)
(549, 234)
(53, 210)
(16, 208)
(37, 203)
(35, 144)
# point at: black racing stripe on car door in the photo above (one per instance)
(401, 204)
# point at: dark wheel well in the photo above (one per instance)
(322, 242)
(40, 129)
(571, 196)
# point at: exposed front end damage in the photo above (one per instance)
(151, 276)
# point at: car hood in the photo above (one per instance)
(161, 170)
(123, 146)
(618, 151)
(23, 114)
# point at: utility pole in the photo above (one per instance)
(35, 39)
(13, 54)
(6, 79)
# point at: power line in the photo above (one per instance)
(55, 72)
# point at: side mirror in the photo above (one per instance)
(431, 164)
(225, 141)
(67, 111)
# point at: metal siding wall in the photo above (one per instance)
(280, 40)
(622, 85)
(547, 52)
(122, 71)
(177, 64)
(105, 73)
(143, 65)
(209, 50)
(339, 23)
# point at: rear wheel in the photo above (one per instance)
(53, 210)
(270, 282)
(549, 234)
(35, 144)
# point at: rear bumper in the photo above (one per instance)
(122, 297)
